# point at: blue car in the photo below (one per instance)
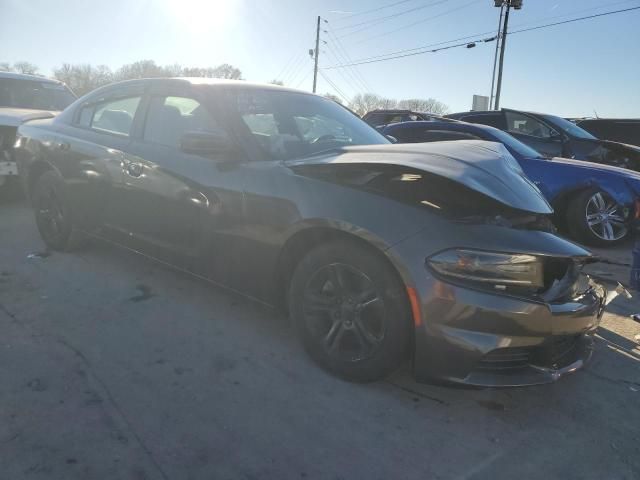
(593, 202)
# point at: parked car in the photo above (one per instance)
(22, 98)
(594, 202)
(379, 117)
(623, 130)
(556, 137)
(440, 253)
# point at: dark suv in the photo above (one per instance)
(554, 136)
(623, 130)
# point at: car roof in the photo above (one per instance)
(486, 112)
(445, 123)
(25, 76)
(218, 82)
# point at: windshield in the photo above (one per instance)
(569, 127)
(33, 94)
(514, 144)
(289, 125)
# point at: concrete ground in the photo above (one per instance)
(113, 367)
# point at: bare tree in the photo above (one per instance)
(140, 69)
(83, 78)
(25, 67)
(333, 97)
(364, 102)
(5, 67)
(427, 105)
(227, 71)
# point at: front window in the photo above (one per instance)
(569, 127)
(169, 118)
(34, 94)
(290, 125)
(526, 125)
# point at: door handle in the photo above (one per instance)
(63, 146)
(133, 169)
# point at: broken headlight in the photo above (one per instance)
(501, 270)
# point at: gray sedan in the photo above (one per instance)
(440, 253)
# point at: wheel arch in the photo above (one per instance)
(309, 236)
(35, 171)
(560, 202)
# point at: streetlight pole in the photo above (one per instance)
(516, 4)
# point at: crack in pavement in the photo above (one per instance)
(115, 405)
(419, 394)
(612, 380)
(99, 381)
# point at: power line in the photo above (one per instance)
(465, 44)
(353, 81)
(423, 49)
(404, 27)
(304, 78)
(473, 35)
(342, 51)
(335, 87)
(375, 9)
(295, 60)
(574, 20)
(387, 17)
(299, 69)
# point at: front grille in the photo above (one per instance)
(506, 358)
(557, 352)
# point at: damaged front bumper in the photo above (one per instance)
(489, 338)
(481, 339)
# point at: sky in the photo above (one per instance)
(577, 69)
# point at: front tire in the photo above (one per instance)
(52, 213)
(351, 311)
(594, 218)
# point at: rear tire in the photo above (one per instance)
(594, 218)
(351, 311)
(52, 213)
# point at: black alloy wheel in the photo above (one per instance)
(351, 311)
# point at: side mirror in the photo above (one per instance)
(391, 138)
(206, 143)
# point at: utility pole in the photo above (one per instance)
(516, 4)
(495, 59)
(315, 57)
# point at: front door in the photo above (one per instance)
(180, 205)
(535, 133)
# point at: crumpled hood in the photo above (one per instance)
(485, 167)
(14, 117)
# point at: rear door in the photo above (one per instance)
(91, 150)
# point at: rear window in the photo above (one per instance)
(34, 94)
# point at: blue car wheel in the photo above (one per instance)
(595, 218)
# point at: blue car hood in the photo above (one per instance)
(486, 167)
(598, 168)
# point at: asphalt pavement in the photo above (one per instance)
(115, 367)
